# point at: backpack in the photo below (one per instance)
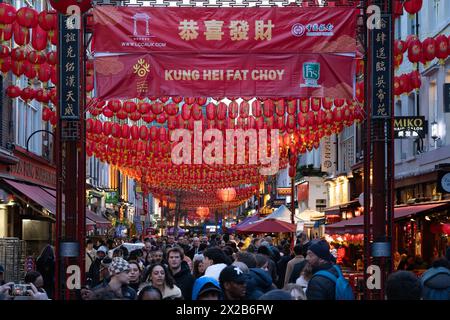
(343, 289)
(430, 293)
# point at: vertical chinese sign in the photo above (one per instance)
(69, 71)
(381, 69)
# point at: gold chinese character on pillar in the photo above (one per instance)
(188, 30)
(213, 30)
(263, 31)
(238, 30)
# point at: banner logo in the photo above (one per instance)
(141, 68)
(311, 75)
(143, 18)
(313, 30)
(298, 30)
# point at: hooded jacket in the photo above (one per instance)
(200, 283)
(214, 270)
(320, 287)
(436, 284)
(259, 282)
(184, 280)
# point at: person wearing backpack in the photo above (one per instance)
(436, 281)
(327, 282)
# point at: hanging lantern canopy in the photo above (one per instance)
(441, 48)
(226, 194)
(412, 6)
(429, 49)
(7, 13)
(415, 51)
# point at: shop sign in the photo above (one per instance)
(284, 191)
(406, 127)
(328, 154)
(278, 202)
(303, 191)
(381, 249)
(447, 97)
(443, 185)
(380, 42)
(112, 197)
(34, 172)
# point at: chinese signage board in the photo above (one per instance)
(409, 127)
(214, 30)
(295, 52)
(69, 70)
(381, 69)
(447, 97)
(328, 154)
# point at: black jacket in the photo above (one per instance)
(128, 293)
(185, 280)
(201, 248)
(281, 269)
(322, 288)
(259, 282)
(296, 271)
(93, 276)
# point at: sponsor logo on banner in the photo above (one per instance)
(311, 75)
(313, 30)
(328, 155)
(141, 32)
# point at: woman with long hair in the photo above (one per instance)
(159, 277)
(45, 264)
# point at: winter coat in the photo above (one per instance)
(281, 269)
(290, 267)
(193, 251)
(128, 293)
(214, 270)
(436, 284)
(296, 271)
(320, 287)
(93, 275)
(184, 280)
(200, 283)
(259, 282)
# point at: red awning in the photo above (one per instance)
(100, 222)
(35, 193)
(356, 225)
(269, 225)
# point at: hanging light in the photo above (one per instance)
(427, 218)
(226, 194)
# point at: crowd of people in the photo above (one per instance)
(228, 267)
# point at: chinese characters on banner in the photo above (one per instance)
(222, 30)
(381, 69)
(328, 154)
(69, 71)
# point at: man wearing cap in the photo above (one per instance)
(118, 283)
(207, 288)
(233, 281)
(320, 258)
(93, 275)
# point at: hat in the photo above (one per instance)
(209, 287)
(322, 250)
(118, 265)
(106, 262)
(232, 274)
(2, 270)
(102, 249)
(276, 294)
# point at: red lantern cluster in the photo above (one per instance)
(406, 83)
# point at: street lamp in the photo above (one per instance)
(434, 131)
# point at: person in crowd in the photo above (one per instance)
(155, 256)
(303, 240)
(150, 293)
(215, 261)
(276, 294)
(403, 285)
(45, 265)
(2, 275)
(259, 279)
(197, 247)
(180, 271)
(158, 275)
(207, 288)
(135, 274)
(271, 266)
(147, 248)
(91, 253)
(93, 275)
(436, 281)
(282, 265)
(35, 278)
(118, 253)
(290, 265)
(320, 258)
(119, 280)
(170, 243)
(233, 281)
(247, 258)
(305, 275)
(198, 266)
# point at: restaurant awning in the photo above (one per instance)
(34, 193)
(100, 222)
(356, 225)
(266, 226)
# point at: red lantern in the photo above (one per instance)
(210, 111)
(44, 72)
(157, 108)
(256, 108)
(359, 92)
(144, 107)
(268, 108)
(143, 133)
(107, 112)
(62, 5)
(39, 38)
(327, 103)
(134, 131)
(13, 91)
(429, 49)
(415, 51)
(201, 100)
(125, 131)
(315, 104)
(397, 89)
(18, 54)
(148, 117)
(196, 112)
(129, 106)
(405, 86)
(412, 6)
(186, 112)
(154, 133)
(27, 17)
(5, 64)
(359, 67)
(27, 94)
(4, 51)
(115, 105)
(304, 105)
(7, 13)
(21, 34)
(18, 68)
(6, 32)
(53, 37)
(227, 194)
(399, 47)
(244, 110)
(398, 60)
(162, 134)
(48, 20)
(441, 47)
(171, 109)
(47, 114)
(135, 116)
(122, 114)
(415, 81)
(52, 58)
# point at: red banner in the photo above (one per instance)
(221, 30)
(194, 75)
